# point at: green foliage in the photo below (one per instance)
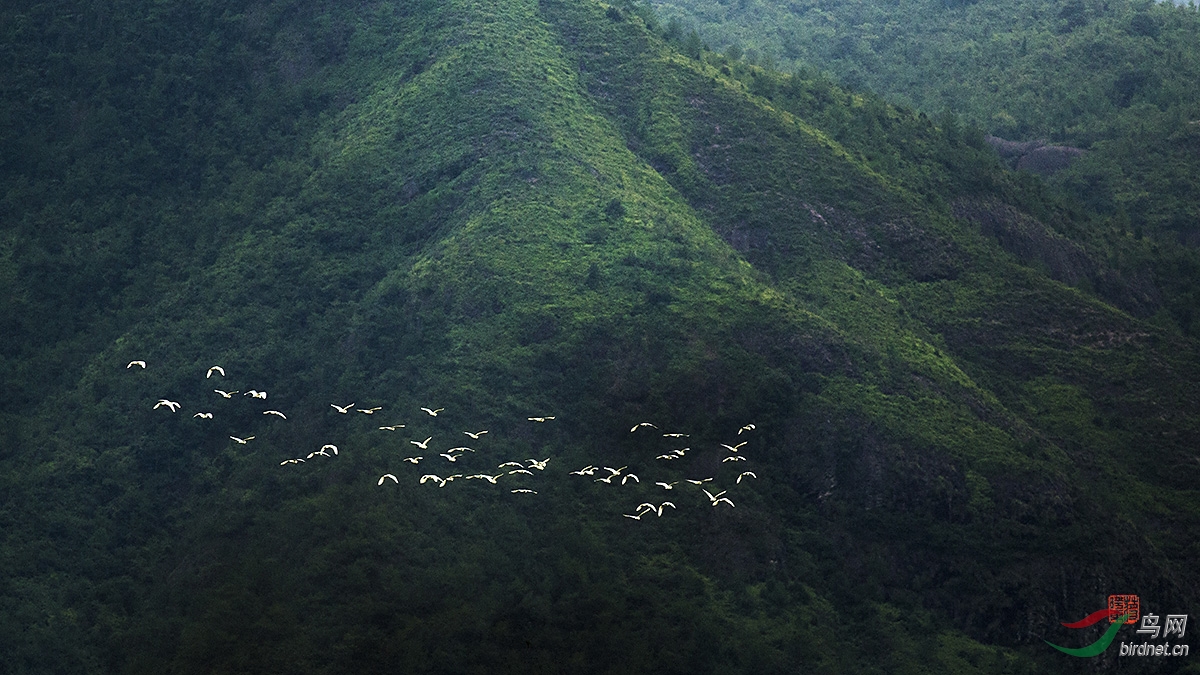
(518, 208)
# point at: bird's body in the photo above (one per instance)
(615, 472)
(392, 427)
(668, 456)
(733, 448)
(639, 425)
(215, 369)
(748, 427)
(430, 476)
(744, 474)
(291, 461)
(516, 464)
(413, 460)
(242, 441)
(539, 419)
(386, 476)
(675, 435)
(734, 458)
(627, 476)
(524, 471)
(540, 466)
(699, 482)
(342, 409)
(475, 436)
(424, 445)
(449, 457)
(254, 393)
(225, 394)
(668, 486)
(588, 470)
(164, 402)
(433, 413)
(370, 411)
(524, 491)
(461, 448)
(136, 363)
(203, 415)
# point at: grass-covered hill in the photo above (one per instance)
(967, 424)
(1114, 77)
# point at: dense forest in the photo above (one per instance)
(912, 410)
(1114, 77)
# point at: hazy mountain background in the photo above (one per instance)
(973, 393)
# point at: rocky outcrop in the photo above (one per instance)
(1038, 157)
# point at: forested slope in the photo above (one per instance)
(1114, 77)
(521, 209)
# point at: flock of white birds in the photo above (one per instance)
(618, 476)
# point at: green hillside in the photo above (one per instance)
(1114, 77)
(966, 403)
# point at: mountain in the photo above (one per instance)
(1111, 77)
(969, 420)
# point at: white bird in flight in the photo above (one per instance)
(475, 436)
(170, 404)
(675, 435)
(385, 477)
(291, 461)
(525, 471)
(253, 393)
(628, 476)
(668, 486)
(433, 413)
(242, 441)
(275, 413)
(203, 415)
(713, 498)
(660, 508)
(640, 425)
(540, 466)
(588, 470)
(746, 473)
(430, 476)
(698, 482)
(723, 499)
(748, 427)
(635, 517)
(539, 419)
(484, 476)
(330, 446)
(370, 411)
(668, 456)
(225, 394)
(449, 457)
(615, 472)
(218, 369)
(734, 448)
(424, 445)
(734, 458)
(136, 363)
(392, 427)
(341, 409)
(524, 491)
(516, 464)
(413, 460)
(461, 448)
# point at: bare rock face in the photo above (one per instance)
(1037, 157)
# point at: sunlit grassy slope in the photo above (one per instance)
(514, 209)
